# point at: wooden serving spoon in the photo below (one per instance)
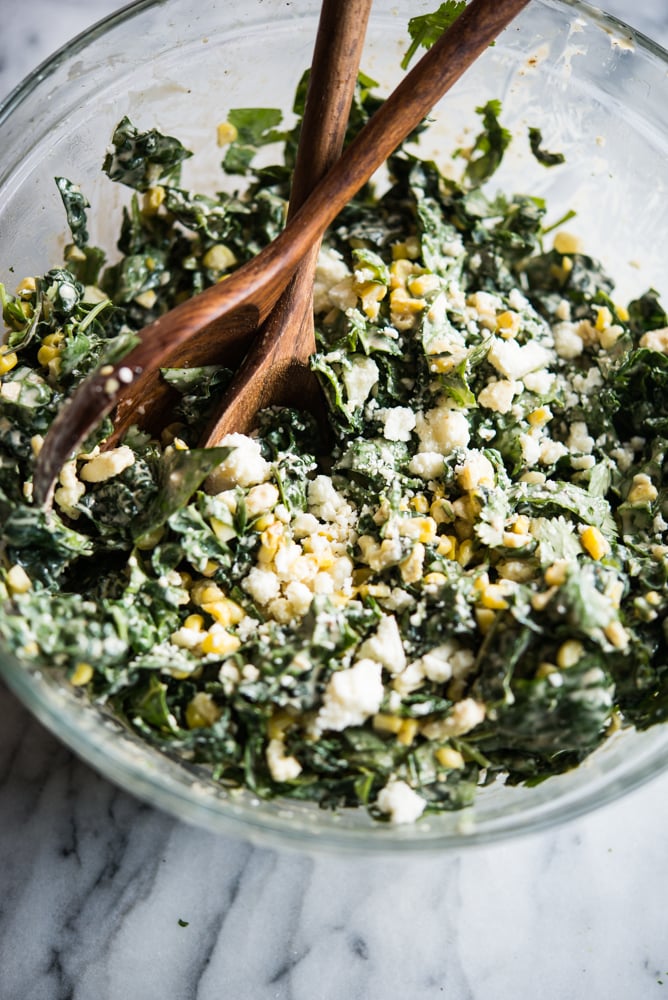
(276, 369)
(217, 322)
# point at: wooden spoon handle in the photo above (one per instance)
(243, 301)
(274, 370)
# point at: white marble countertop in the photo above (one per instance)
(94, 884)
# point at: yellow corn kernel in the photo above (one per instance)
(83, 673)
(408, 250)
(642, 490)
(222, 530)
(47, 353)
(18, 580)
(515, 540)
(153, 199)
(615, 592)
(219, 258)
(210, 569)
(569, 653)
(226, 133)
(270, 539)
(593, 542)
(567, 243)
(371, 294)
(545, 669)
(194, 622)
(465, 552)
(441, 511)
(540, 416)
(374, 590)
(279, 723)
(220, 642)
(485, 617)
(557, 573)
(263, 522)
(616, 634)
(400, 270)
(384, 723)
(508, 323)
(408, 731)
(420, 503)
(622, 313)
(423, 284)
(653, 597)
(226, 612)
(435, 579)
(403, 304)
(603, 318)
(447, 546)
(449, 757)
(8, 360)
(202, 711)
(205, 592)
(411, 567)
(492, 597)
(26, 286)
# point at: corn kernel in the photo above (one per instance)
(225, 612)
(545, 669)
(194, 622)
(408, 731)
(616, 634)
(219, 258)
(423, 284)
(435, 579)
(420, 503)
(83, 673)
(202, 711)
(449, 757)
(26, 286)
(485, 617)
(569, 653)
(205, 592)
(557, 573)
(567, 243)
(492, 597)
(447, 546)
(603, 318)
(411, 566)
(403, 304)
(384, 723)
(226, 133)
(400, 269)
(279, 723)
(594, 542)
(540, 416)
(47, 353)
(153, 199)
(653, 597)
(622, 313)
(18, 580)
(465, 552)
(8, 360)
(220, 642)
(642, 490)
(508, 323)
(515, 540)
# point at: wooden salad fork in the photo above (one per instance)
(220, 321)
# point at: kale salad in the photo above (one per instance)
(460, 579)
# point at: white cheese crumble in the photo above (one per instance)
(244, 466)
(107, 464)
(351, 696)
(398, 800)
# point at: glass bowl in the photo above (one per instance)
(598, 92)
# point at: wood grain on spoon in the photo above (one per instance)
(276, 369)
(203, 329)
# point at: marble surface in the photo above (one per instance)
(105, 898)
